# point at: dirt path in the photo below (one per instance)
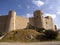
(37, 43)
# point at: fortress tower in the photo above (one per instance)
(38, 18)
(48, 23)
(11, 21)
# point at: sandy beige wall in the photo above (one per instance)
(48, 23)
(31, 21)
(21, 22)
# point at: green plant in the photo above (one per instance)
(50, 34)
(40, 29)
(41, 37)
(1, 34)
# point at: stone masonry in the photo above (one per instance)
(13, 22)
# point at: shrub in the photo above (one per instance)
(50, 34)
(47, 35)
(40, 29)
(41, 37)
(30, 27)
(1, 34)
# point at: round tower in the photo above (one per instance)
(38, 18)
(11, 20)
(12, 13)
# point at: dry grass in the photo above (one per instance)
(20, 36)
(58, 37)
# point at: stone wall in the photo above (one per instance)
(38, 19)
(3, 21)
(48, 23)
(43, 22)
(12, 22)
(31, 21)
(21, 22)
(10, 25)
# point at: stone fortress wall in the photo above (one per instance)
(21, 22)
(43, 22)
(12, 21)
(3, 21)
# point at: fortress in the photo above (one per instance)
(12, 21)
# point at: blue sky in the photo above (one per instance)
(27, 7)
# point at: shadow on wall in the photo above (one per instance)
(30, 24)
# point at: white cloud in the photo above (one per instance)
(58, 12)
(38, 3)
(29, 15)
(58, 26)
(52, 15)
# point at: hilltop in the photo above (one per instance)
(30, 35)
(20, 36)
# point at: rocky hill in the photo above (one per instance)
(20, 36)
